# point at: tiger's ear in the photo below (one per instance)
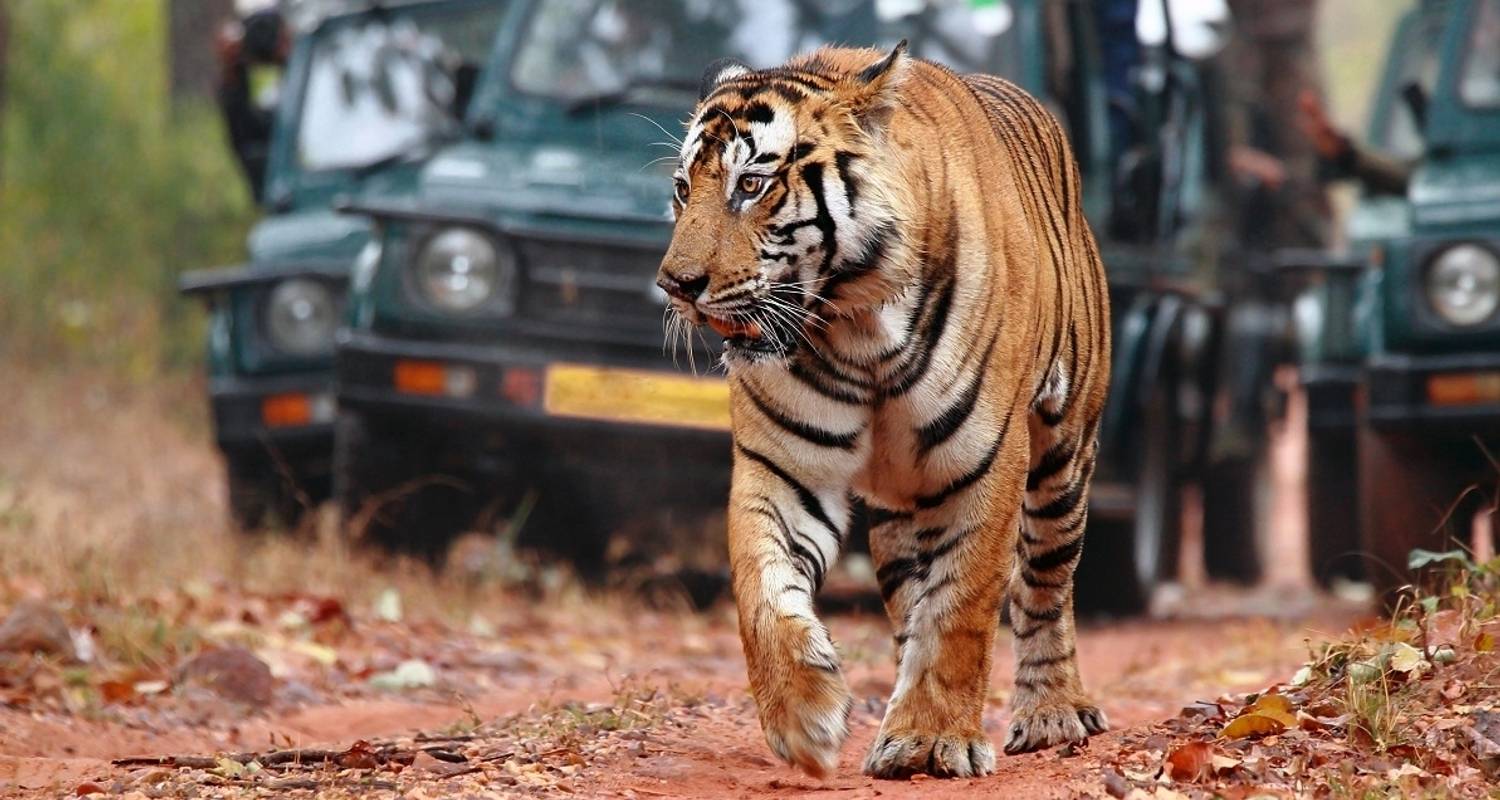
(722, 70)
(871, 94)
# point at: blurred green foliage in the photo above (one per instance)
(107, 191)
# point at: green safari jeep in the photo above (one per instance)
(507, 341)
(364, 97)
(1400, 342)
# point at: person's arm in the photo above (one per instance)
(1344, 159)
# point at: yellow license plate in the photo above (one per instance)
(636, 396)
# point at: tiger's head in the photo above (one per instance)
(784, 199)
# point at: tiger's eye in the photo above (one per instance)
(750, 184)
(682, 192)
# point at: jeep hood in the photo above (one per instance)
(312, 231)
(551, 180)
(311, 235)
(1459, 192)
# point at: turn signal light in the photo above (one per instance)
(432, 378)
(286, 410)
(1464, 389)
(419, 377)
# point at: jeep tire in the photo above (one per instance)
(1124, 559)
(1236, 517)
(390, 492)
(1407, 483)
(1333, 506)
(260, 496)
(572, 520)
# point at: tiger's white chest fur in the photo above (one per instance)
(904, 380)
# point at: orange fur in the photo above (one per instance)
(940, 373)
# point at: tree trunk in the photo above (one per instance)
(192, 31)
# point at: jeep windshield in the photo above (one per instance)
(1479, 81)
(384, 85)
(601, 53)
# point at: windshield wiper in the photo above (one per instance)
(633, 87)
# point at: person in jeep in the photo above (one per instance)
(1342, 157)
(260, 40)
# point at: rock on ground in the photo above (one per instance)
(233, 673)
(35, 627)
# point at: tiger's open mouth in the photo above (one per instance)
(735, 329)
(743, 335)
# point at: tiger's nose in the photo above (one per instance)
(685, 288)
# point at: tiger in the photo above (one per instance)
(916, 341)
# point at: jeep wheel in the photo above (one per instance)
(390, 494)
(1124, 559)
(1412, 494)
(572, 522)
(1236, 517)
(1333, 507)
(260, 497)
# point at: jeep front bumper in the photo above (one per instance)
(578, 411)
(292, 412)
(1457, 393)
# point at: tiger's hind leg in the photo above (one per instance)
(1050, 706)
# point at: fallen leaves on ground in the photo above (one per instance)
(1406, 708)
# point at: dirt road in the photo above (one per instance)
(110, 517)
(696, 736)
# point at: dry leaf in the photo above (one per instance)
(360, 755)
(1190, 762)
(1303, 676)
(1253, 725)
(1445, 627)
(1309, 722)
(1405, 770)
(118, 692)
(1222, 763)
(1271, 702)
(1407, 659)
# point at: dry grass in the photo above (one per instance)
(110, 496)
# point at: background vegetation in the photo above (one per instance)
(107, 189)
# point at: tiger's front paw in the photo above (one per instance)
(901, 753)
(1047, 724)
(806, 730)
(806, 716)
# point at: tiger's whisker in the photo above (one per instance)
(659, 127)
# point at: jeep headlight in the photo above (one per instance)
(301, 317)
(460, 270)
(1463, 284)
